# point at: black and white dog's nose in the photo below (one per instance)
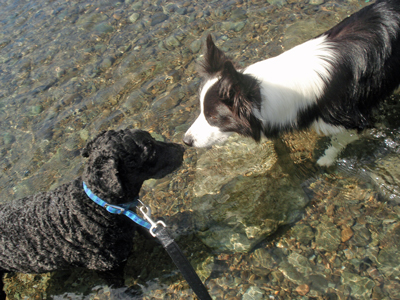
(188, 140)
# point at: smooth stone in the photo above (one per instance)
(104, 28)
(171, 42)
(316, 2)
(137, 5)
(158, 18)
(278, 3)
(290, 272)
(106, 63)
(36, 109)
(195, 46)
(361, 287)
(182, 11)
(8, 138)
(254, 293)
(301, 263)
(134, 17)
(328, 237)
(303, 233)
(263, 259)
(386, 176)
(362, 236)
(238, 14)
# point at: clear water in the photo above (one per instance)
(258, 221)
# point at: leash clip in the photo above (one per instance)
(147, 217)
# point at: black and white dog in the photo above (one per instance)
(330, 83)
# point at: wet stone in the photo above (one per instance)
(253, 293)
(8, 138)
(301, 263)
(316, 2)
(238, 15)
(292, 274)
(393, 289)
(386, 175)
(328, 237)
(346, 233)
(104, 28)
(246, 210)
(263, 259)
(278, 3)
(303, 233)
(158, 18)
(361, 287)
(302, 289)
(195, 46)
(171, 42)
(362, 236)
(106, 63)
(134, 17)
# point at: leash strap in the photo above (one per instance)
(182, 263)
(161, 233)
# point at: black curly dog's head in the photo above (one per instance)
(119, 162)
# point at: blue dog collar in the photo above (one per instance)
(117, 209)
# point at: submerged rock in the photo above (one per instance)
(241, 203)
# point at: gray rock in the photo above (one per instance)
(106, 63)
(316, 2)
(238, 204)
(171, 42)
(134, 17)
(238, 14)
(361, 287)
(195, 46)
(303, 233)
(386, 175)
(362, 236)
(292, 274)
(104, 28)
(328, 237)
(158, 18)
(263, 259)
(253, 293)
(278, 3)
(301, 263)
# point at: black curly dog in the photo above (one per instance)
(63, 228)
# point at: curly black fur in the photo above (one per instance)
(63, 228)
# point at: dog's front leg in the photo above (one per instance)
(339, 141)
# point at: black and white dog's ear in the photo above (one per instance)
(214, 59)
(234, 90)
(241, 93)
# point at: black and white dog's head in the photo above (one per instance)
(120, 161)
(227, 100)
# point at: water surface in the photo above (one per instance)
(258, 221)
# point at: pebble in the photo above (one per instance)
(328, 237)
(253, 293)
(158, 18)
(134, 17)
(104, 28)
(346, 233)
(302, 289)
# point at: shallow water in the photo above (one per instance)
(258, 221)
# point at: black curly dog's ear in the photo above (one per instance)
(89, 147)
(105, 176)
(101, 170)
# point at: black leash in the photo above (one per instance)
(162, 234)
